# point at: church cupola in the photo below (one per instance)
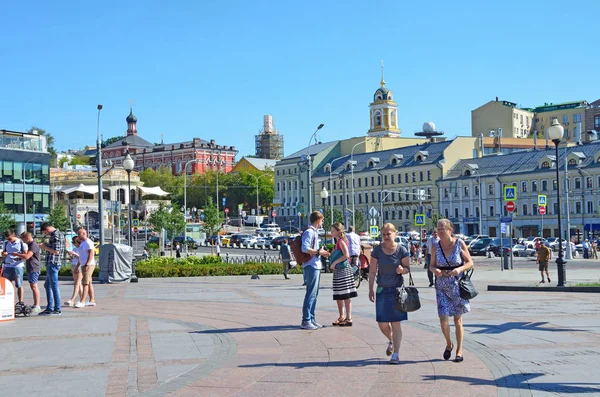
(131, 123)
(384, 112)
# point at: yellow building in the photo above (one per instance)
(569, 114)
(502, 118)
(253, 164)
(384, 113)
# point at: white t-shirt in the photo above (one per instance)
(75, 258)
(83, 252)
(17, 247)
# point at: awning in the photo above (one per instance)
(591, 227)
(528, 227)
(157, 191)
(90, 189)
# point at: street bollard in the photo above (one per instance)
(505, 262)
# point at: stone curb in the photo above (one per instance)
(517, 288)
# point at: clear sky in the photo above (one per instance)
(212, 69)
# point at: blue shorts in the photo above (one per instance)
(33, 277)
(385, 306)
(14, 274)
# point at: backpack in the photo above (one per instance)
(296, 247)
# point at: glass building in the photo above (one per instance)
(24, 176)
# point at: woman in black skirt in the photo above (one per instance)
(343, 276)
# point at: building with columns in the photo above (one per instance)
(208, 155)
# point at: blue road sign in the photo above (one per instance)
(224, 201)
(542, 199)
(419, 219)
(506, 219)
(510, 193)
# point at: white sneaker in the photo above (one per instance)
(36, 309)
(308, 325)
(68, 304)
(91, 304)
(395, 359)
(79, 305)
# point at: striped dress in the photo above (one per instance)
(343, 282)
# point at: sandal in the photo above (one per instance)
(340, 321)
(448, 353)
(346, 323)
(458, 359)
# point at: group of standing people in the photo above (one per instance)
(23, 253)
(447, 258)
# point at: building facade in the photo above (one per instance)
(501, 118)
(24, 177)
(569, 114)
(199, 155)
(474, 188)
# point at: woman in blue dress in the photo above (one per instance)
(449, 259)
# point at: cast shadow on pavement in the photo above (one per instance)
(520, 325)
(326, 364)
(521, 382)
(260, 328)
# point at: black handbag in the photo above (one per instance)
(466, 287)
(407, 298)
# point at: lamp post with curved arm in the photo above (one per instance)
(185, 201)
(330, 174)
(352, 164)
(309, 163)
(129, 164)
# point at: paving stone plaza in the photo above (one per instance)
(232, 336)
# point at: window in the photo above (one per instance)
(525, 208)
(572, 162)
(588, 182)
(428, 193)
(393, 197)
(577, 118)
(597, 122)
(372, 197)
(428, 175)
(334, 200)
(421, 176)
(372, 181)
(477, 212)
(476, 190)
(406, 177)
(555, 208)
(399, 178)
(534, 187)
(446, 192)
(392, 181)
(578, 183)
(407, 214)
(466, 191)
(554, 184)
(456, 212)
(359, 182)
(360, 199)
(492, 213)
(277, 172)
(378, 119)
(400, 214)
(346, 183)
(524, 187)
(366, 198)
(379, 180)
(578, 207)
(590, 207)
(446, 213)
(534, 209)
(545, 164)
(544, 186)
(565, 118)
(466, 212)
(414, 176)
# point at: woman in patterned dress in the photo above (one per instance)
(343, 279)
(450, 258)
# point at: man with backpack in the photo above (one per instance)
(308, 252)
(14, 266)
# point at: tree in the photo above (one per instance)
(337, 217)
(168, 219)
(360, 221)
(49, 142)
(112, 140)
(80, 160)
(212, 218)
(58, 217)
(6, 220)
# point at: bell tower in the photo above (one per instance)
(131, 121)
(383, 112)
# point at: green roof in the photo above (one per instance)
(560, 106)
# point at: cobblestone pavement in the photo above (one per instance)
(232, 336)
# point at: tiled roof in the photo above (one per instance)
(314, 149)
(132, 140)
(261, 164)
(435, 152)
(521, 162)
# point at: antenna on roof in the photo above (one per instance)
(162, 139)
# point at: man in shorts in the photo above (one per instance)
(32, 256)
(87, 264)
(543, 256)
(14, 265)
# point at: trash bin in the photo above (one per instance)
(505, 261)
(115, 263)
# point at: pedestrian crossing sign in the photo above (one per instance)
(542, 200)
(374, 231)
(510, 193)
(419, 219)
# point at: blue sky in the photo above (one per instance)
(212, 69)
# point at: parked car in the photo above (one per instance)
(226, 239)
(277, 241)
(402, 240)
(263, 241)
(480, 247)
(251, 240)
(530, 241)
(212, 239)
(290, 229)
(521, 250)
(238, 238)
(494, 246)
(155, 240)
(190, 241)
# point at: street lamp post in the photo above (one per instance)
(555, 133)
(128, 164)
(309, 161)
(257, 204)
(185, 202)
(324, 195)
(476, 171)
(332, 189)
(352, 164)
(99, 168)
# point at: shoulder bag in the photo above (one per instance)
(465, 286)
(296, 247)
(407, 297)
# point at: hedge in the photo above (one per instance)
(203, 266)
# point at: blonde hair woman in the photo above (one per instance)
(449, 258)
(389, 261)
(343, 277)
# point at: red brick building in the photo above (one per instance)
(208, 155)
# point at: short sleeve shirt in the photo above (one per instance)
(33, 263)
(84, 252)
(11, 248)
(387, 265)
(284, 251)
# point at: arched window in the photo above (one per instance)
(393, 117)
(572, 162)
(394, 161)
(545, 164)
(378, 119)
(468, 173)
(378, 98)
